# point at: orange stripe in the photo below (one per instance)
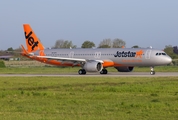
(108, 63)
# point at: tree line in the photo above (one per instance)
(106, 43)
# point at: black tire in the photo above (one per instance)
(83, 72)
(104, 71)
(152, 72)
(80, 72)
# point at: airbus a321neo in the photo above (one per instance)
(94, 60)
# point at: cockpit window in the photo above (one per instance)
(160, 54)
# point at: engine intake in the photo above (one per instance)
(93, 66)
(124, 69)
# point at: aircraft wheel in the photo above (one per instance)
(84, 72)
(152, 72)
(81, 72)
(104, 71)
(101, 72)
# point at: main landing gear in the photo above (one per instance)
(103, 71)
(82, 72)
(152, 71)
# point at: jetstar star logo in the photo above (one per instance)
(137, 54)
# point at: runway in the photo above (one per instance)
(111, 74)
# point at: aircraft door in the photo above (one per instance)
(147, 55)
(71, 54)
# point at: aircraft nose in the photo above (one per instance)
(168, 60)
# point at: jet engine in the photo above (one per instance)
(93, 66)
(124, 69)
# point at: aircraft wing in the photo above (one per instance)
(63, 58)
(69, 59)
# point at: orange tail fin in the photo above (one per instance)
(32, 42)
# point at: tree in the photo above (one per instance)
(169, 50)
(10, 49)
(106, 43)
(118, 43)
(17, 51)
(135, 46)
(64, 44)
(175, 49)
(87, 44)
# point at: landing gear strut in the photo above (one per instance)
(152, 71)
(103, 71)
(82, 72)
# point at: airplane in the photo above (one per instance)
(175, 49)
(93, 60)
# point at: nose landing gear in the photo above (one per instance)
(152, 72)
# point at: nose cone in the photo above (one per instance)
(168, 60)
(162, 60)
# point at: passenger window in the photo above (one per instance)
(156, 53)
(159, 53)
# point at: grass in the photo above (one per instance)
(2, 64)
(59, 70)
(35, 67)
(89, 98)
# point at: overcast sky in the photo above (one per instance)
(138, 22)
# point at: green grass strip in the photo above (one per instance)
(88, 98)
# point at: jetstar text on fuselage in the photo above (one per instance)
(125, 54)
(129, 54)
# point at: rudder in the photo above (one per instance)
(32, 42)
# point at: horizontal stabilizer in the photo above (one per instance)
(25, 52)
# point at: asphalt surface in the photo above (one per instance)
(111, 74)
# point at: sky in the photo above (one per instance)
(138, 22)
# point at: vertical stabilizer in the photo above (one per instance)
(32, 42)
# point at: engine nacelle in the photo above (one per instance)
(124, 69)
(93, 66)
